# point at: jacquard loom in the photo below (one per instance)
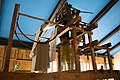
(71, 30)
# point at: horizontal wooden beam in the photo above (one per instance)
(46, 21)
(105, 46)
(93, 43)
(24, 59)
(118, 44)
(89, 75)
(92, 26)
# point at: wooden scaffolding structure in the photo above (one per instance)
(78, 29)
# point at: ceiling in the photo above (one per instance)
(105, 12)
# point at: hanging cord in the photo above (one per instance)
(30, 38)
(21, 41)
(23, 33)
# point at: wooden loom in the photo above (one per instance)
(78, 35)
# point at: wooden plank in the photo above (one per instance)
(75, 48)
(9, 45)
(92, 54)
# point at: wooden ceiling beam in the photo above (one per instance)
(104, 11)
(110, 34)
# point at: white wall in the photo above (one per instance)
(117, 61)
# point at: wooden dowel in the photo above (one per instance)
(10, 40)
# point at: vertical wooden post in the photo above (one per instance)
(105, 64)
(92, 54)
(10, 40)
(75, 48)
(59, 63)
(109, 59)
